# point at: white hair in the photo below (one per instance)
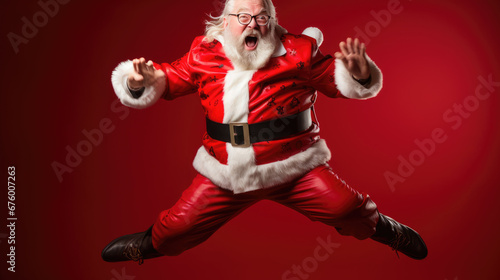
(215, 26)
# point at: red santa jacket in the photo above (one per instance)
(287, 85)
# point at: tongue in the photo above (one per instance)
(251, 42)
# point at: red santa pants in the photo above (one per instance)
(320, 195)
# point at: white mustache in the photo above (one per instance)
(249, 32)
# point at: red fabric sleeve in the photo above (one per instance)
(178, 78)
(323, 73)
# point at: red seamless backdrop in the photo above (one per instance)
(433, 131)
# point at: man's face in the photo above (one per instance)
(252, 7)
(249, 47)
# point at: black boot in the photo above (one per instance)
(136, 247)
(400, 238)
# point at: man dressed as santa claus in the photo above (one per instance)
(257, 85)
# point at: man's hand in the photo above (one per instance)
(353, 56)
(145, 74)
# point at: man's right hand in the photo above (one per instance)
(145, 74)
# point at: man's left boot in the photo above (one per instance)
(400, 238)
(136, 247)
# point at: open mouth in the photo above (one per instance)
(251, 42)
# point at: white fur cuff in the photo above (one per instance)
(349, 88)
(149, 97)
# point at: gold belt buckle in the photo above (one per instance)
(246, 134)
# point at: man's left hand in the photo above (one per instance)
(352, 54)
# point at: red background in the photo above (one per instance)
(58, 84)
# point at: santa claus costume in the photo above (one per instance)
(262, 142)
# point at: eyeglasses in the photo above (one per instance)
(245, 19)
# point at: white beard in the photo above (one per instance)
(243, 59)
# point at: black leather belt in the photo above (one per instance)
(243, 134)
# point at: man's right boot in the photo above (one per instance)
(400, 238)
(136, 247)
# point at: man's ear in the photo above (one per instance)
(225, 23)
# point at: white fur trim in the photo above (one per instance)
(279, 51)
(242, 175)
(315, 33)
(149, 97)
(236, 95)
(349, 88)
(235, 100)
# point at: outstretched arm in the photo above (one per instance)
(353, 55)
(144, 74)
(138, 84)
(352, 74)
